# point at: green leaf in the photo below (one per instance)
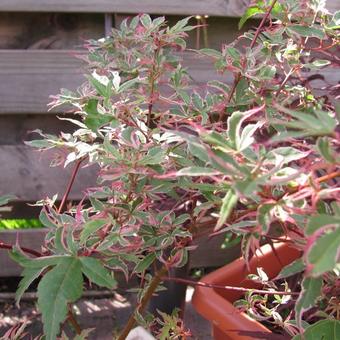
(325, 149)
(293, 268)
(97, 273)
(181, 26)
(246, 138)
(197, 171)
(264, 216)
(145, 263)
(335, 23)
(28, 276)
(241, 91)
(211, 52)
(59, 287)
(39, 144)
(322, 330)
(324, 252)
(6, 198)
(233, 127)
(311, 290)
(287, 153)
(129, 83)
(318, 221)
(198, 151)
(101, 88)
(250, 12)
(228, 203)
(94, 120)
(90, 228)
(40, 262)
(43, 218)
(307, 31)
(146, 20)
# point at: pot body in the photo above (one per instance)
(216, 305)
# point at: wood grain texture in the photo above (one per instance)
(188, 7)
(26, 173)
(49, 30)
(30, 238)
(29, 77)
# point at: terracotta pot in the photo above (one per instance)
(216, 305)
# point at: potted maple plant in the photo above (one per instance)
(175, 157)
(292, 120)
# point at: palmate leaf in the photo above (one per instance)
(61, 285)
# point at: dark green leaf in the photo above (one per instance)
(28, 276)
(291, 269)
(145, 263)
(325, 149)
(228, 203)
(97, 273)
(321, 330)
(307, 31)
(90, 228)
(318, 221)
(324, 252)
(311, 290)
(59, 287)
(250, 12)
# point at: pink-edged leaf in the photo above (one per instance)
(310, 292)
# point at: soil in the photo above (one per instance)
(106, 315)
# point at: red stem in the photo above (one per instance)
(69, 185)
(26, 250)
(257, 33)
(239, 289)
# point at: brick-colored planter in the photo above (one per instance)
(216, 305)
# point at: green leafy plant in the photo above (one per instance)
(250, 158)
(20, 223)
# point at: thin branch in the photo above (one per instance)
(69, 185)
(24, 249)
(157, 279)
(238, 289)
(257, 33)
(252, 44)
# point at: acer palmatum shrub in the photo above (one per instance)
(174, 157)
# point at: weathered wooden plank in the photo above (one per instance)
(188, 7)
(212, 7)
(49, 30)
(30, 238)
(26, 173)
(28, 78)
(15, 129)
